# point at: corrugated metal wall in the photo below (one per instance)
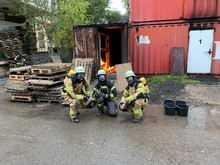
(215, 69)
(157, 10)
(156, 57)
(167, 24)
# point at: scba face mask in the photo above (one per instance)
(102, 78)
(80, 76)
(130, 80)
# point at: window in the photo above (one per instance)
(41, 40)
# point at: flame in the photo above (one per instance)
(106, 68)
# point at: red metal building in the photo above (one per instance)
(157, 28)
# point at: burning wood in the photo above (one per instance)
(107, 68)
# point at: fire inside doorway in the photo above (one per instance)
(107, 44)
(110, 48)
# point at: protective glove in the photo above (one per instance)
(85, 98)
(99, 100)
(103, 95)
(123, 106)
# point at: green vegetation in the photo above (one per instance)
(159, 79)
(58, 22)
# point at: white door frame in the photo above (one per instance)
(200, 51)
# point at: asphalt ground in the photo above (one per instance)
(41, 133)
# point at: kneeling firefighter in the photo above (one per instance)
(77, 93)
(133, 97)
(105, 92)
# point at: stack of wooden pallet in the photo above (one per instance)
(47, 81)
(17, 84)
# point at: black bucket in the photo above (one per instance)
(182, 110)
(168, 102)
(180, 103)
(170, 109)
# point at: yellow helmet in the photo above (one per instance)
(71, 72)
(143, 80)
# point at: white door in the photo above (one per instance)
(200, 51)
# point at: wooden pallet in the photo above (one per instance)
(45, 82)
(20, 70)
(49, 101)
(18, 77)
(58, 76)
(22, 98)
(87, 64)
(52, 66)
(48, 71)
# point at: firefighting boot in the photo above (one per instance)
(75, 119)
(137, 120)
(100, 111)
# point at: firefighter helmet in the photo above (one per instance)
(79, 69)
(129, 73)
(100, 72)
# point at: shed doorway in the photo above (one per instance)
(106, 44)
(110, 47)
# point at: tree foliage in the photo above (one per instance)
(58, 24)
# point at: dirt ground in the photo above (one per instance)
(205, 92)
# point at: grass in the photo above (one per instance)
(159, 79)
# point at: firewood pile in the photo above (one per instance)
(40, 83)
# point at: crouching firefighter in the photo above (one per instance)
(104, 93)
(19, 60)
(133, 97)
(77, 92)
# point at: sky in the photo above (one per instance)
(117, 4)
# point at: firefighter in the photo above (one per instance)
(133, 97)
(77, 92)
(104, 93)
(19, 60)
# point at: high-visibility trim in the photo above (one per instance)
(129, 99)
(68, 88)
(111, 95)
(104, 87)
(137, 111)
(95, 89)
(100, 105)
(73, 113)
(79, 97)
(63, 94)
(112, 88)
(125, 91)
(140, 89)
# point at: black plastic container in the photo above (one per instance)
(168, 102)
(180, 103)
(170, 109)
(182, 110)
